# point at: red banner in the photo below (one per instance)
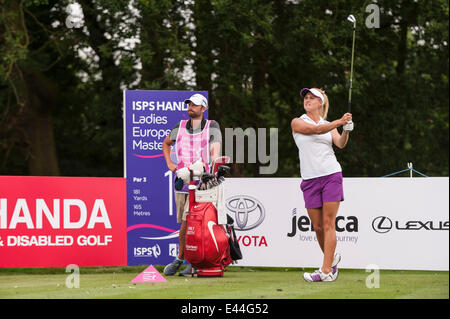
(57, 221)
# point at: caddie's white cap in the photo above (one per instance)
(313, 92)
(197, 99)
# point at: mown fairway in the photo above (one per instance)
(237, 283)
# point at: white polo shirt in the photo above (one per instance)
(316, 152)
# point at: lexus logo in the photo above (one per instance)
(382, 224)
(249, 212)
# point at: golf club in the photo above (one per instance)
(222, 170)
(351, 18)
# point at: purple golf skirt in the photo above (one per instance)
(322, 189)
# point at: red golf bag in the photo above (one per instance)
(207, 244)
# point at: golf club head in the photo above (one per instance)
(179, 183)
(207, 177)
(223, 170)
(351, 18)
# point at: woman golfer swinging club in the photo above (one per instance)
(321, 174)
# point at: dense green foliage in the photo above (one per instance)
(61, 83)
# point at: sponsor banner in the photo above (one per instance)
(57, 221)
(394, 223)
(152, 228)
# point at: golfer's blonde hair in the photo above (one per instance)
(324, 109)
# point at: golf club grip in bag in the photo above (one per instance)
(206, 245)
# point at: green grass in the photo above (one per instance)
(237, 283)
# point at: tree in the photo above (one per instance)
(61, 87)
(28, 50)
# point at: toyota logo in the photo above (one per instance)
(382, 224)
(249, 212)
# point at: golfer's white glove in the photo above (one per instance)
(348, 127)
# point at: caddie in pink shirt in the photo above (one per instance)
(196, 139)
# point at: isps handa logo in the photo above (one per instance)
(150, 251)
(66, 214)
(383, 224)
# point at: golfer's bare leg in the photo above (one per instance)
(315, 215)
(329, 211)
